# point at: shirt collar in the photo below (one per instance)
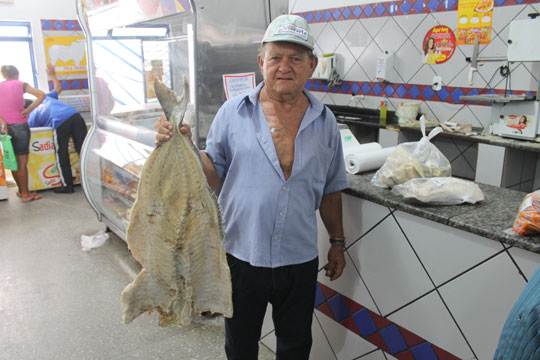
(315, 107)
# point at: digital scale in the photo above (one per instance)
(515, 116)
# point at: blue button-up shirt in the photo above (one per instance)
(270, 221)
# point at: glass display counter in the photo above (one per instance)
(114, 159)
(129, 47)
(132, 43)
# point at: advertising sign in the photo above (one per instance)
(474, 21)
(439, 45)
(42, 169)
(66, 53)
(236, 84)
(64, 45)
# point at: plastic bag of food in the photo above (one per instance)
(440, 190)
(528, 218)
(418, 159)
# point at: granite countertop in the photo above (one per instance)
(489, 218)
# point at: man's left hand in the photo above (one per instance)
(336, 261)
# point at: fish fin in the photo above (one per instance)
(172, 104)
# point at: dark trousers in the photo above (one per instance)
(291, 291)
(74, 127)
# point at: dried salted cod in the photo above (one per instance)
(175, 233)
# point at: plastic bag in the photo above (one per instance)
(406, 113)
(528, 218)
(93, 241)
(10, 162)
(440, 190)
(411, 160)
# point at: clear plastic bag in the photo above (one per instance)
(440, 190)
(93, 241)
(528, 218)
(411, 160)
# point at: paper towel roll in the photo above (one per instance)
(366, 161)
(360, 148)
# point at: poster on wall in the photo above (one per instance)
(237, 84)
(65, 49)
(439, 45)
(474, 21)
(151, 75)
(66, 53)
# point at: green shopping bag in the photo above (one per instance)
(10, 162)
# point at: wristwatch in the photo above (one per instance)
(338, 241)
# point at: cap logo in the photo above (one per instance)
(292, 30)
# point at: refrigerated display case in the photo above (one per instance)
(129, 44)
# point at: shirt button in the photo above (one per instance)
(284, 188)
(275, 237)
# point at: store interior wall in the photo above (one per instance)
(358, 35)
(33, 11)
(359, 41)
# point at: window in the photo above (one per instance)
(124, 57)
(16, 49)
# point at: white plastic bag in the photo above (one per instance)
(411, 160)
(93, 241)
(440, 190)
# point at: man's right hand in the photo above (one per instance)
(165, 130)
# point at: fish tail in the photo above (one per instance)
(173, 106)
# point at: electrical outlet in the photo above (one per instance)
(437, 83)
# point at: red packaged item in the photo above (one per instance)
(528, 218)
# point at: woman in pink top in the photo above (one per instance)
(14, 121)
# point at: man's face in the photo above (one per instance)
(286, 67)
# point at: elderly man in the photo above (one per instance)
(276, 153)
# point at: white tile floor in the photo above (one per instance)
(58, 302)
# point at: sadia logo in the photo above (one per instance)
(292, 30)
(42, 146)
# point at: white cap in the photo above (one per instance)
(289, 28)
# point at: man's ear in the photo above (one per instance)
(260, 61)
(313, 65)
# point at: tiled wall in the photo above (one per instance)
(412, 289)
(359, 34)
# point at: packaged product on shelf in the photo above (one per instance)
(528, 218)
